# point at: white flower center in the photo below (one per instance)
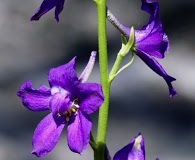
(56, 89)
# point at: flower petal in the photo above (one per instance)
(133, 151)
(64, 76)
(46, 6)
(155, 44)
(107, 154)
(59, 8)
(46, 136)
(152, 39)
(34, 99)
(59, 104)
(90, 96)
(78, 132)
(154, 22)
(152, 8)
(89, 67)
(156, 67)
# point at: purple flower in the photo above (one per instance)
(150, 41)
(46, 6)
(133, 151)
(69, 101)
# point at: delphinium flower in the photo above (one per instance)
(46, 6)
(70, 100)
(135, 150)
(151, 41)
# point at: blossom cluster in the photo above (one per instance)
(71, 99)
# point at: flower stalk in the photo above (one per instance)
(104, 79)
(125, 48)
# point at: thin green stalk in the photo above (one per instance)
(125, 48)
(104, 79)
(115, 67)
(92, 142)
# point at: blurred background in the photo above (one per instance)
(139, 98)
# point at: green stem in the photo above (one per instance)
(115, 67)
(104, 79)
(125, 66)
(92, 142)
(125, 48)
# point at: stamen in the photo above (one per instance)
(72, 110)
(67, 119)
(69, 112)
(76, 105)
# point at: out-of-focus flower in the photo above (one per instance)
(135, 150)
(46, 6)
(70, 101)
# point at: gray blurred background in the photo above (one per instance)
(139, 98)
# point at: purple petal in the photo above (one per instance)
(59, 8)
(133, 151)
(152, 39)
(156, 67)
(46, 6)
(154, 22)
(90, 96)
(89, 67)
(59, 103)
(155, 44)
(46, 136)
(34, 99)
(107, 154)
(152, 8)
(78, 132)
(64, 76)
